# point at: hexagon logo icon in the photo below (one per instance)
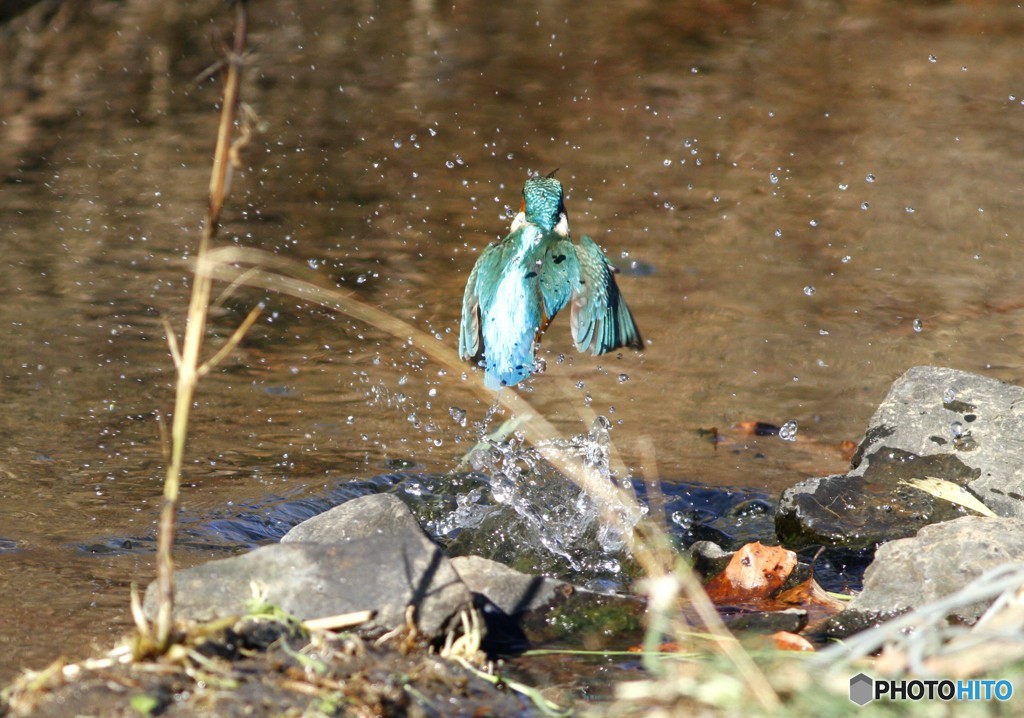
(862, 689)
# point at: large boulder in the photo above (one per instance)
(940, 560)
(371, 556)
(935, 423)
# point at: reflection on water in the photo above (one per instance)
(729, 159)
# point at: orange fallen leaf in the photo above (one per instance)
(755, 571)
(810, 594)
(786, 641)
(847, 449)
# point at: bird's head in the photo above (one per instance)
(543, 206)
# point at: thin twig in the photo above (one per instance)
(172, 342)
(232, 341)
(188, 368)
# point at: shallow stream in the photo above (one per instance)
(805, 199)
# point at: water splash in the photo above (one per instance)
(515, 507)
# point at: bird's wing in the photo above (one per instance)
(559, 271)
(470, 332)
(599, 317)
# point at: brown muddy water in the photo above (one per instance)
(806, 198)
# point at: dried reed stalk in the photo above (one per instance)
(188, 362)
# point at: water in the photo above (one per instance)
(725, 160)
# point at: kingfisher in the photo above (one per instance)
(520, 283)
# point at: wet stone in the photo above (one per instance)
(364, 517)
(523, 610)
(940, 411)
(940, 560)
(935, 423)
(709, 559)
(862, 511)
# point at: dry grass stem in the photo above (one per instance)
(188, 362)
(338, 622)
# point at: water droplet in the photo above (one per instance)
(910, 210)
(846, 259)
(458, 415)
(869, 178)
(813, 223)
(823, 332)
(449, 164)
(716, 198)
(773, 178)
(778, 232)
(864, 205)
(398, 144)
(587, 399)
(843, 186)
(918, 325)
(667, 162)
(787, 432)
(580, 385)
(809, 290)
(932, 58)
(956, 429)
(432, 131)
(623, 378)
(433, 391)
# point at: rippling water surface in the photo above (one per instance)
(805, 199)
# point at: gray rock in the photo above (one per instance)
(979, 420)
(384, 574)
(709, 559)
(860, 512)
(363, 517)
(935, 422)
(940, 560)
(523, 610)
(512, 591)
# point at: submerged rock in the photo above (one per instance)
(356, 568)
(935, 422)
(523, 610)
(940, 560)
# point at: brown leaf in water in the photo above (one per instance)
(755, 571)
(847, 449)
(810, 594)
(786, 641)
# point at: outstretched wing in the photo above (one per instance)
(471, 345)
(599, 317)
